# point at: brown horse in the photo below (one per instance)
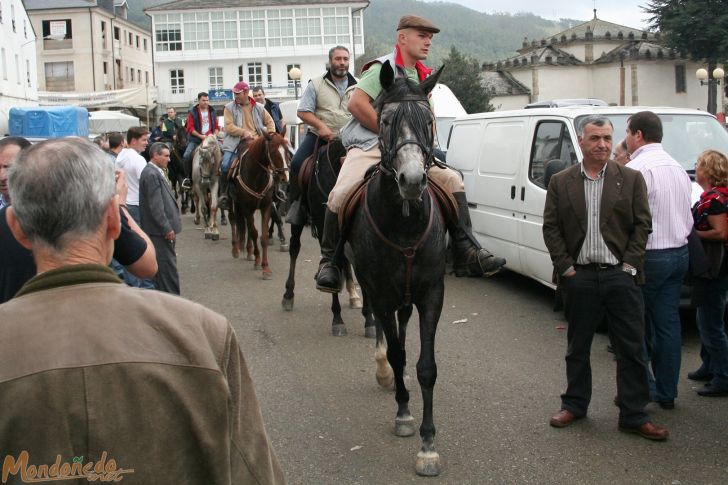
(253, 181)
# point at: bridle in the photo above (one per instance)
(207, 155)
(411, 112)
(269, 168)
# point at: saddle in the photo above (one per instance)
(235, 167)
(306, 172)
(444, 199)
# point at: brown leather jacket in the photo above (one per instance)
(92, 371)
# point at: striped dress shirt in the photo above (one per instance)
(594, 249)
(668, 193)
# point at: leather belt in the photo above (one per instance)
(596, 266)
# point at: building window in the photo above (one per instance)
(5, 64)
(117, 33)
(269, 75)
(139, 76)
(197, 30)
(57, 34)
(17, 67)
(146, 77)
(144, 41)
(252, 28)
(308, 26)
(137, 41)
(103, 34)
(1, 12)
(356, 23)
(280, 27)
(552, 151)
(177, 81)
(224, 30)
(336, 25)
(59, 76)
(169, 33)
(680, 84)
(12, 15)
(215, 77)
(255, 73)
(131, 37)
(241, 72)
(27, 71)
(25, 29)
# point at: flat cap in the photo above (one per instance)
(417, 22)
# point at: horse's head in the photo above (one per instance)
(209, 156)
(278, 156)
(406, 129)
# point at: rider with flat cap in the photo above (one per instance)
(360, 137)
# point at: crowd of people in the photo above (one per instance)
(76, 220)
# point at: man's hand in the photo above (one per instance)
(326, 133)
(247, 135)
(170, 236)
(121, 188)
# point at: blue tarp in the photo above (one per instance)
(49, 121)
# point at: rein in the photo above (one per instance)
(269, 169)
(408, 252)
(424, 137)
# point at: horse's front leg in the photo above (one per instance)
(252, 247)
(404, 423)
(293, 251)
(195, 200)
(264, 240)
(354, 298)
(428, 460)
(214, 231)
(338, 327)
(237, 230)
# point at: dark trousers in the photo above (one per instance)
(613, 293)
(167, 278)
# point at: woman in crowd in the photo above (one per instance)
(711, 224)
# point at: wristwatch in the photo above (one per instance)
(629, 269)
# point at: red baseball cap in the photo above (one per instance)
(240, 87)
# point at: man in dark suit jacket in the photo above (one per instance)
(596, 223)
(160, 217)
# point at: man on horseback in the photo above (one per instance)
(201, 121)
(170, 126)
(323, 108)
(244, 120)
(360, 136)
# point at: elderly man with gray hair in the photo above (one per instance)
(139, 384)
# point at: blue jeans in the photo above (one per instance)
(712, 331)
(304, 150)
(227, 159)
(665, 270)
(187, 157)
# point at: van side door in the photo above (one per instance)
(553, 148)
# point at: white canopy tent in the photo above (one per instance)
(106, 121)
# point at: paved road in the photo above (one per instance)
(499, 379)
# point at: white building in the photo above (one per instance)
(203, 45)
(597, 59)
(90, 55)
(18, 78)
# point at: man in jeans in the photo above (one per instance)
(666, 262)
(201, 121)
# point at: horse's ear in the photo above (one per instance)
(386, 75)
(429, 84)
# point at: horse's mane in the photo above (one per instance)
(256, 149)
(401, 88)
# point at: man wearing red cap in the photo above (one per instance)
(360, 137)
(244, 120)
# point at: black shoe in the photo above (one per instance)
(666, 404)
(700, 376)
(328, 279)
(709, 390)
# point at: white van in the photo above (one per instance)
(508, 157)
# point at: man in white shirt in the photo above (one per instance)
(130, 161)
(666, 261)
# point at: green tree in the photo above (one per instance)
(462, 76)
(696, 27)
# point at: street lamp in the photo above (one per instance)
(295, 75)
(712, 83)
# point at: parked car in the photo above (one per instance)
(508, 157)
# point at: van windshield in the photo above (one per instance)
(684, 136)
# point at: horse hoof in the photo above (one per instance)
(355, 302)
(284, 248)
(250, 257)
(339, 330)
(370, 332)
(267, 275)
(184, 210)
(223, 222)
(287, 304)
(428, 464)
(236, 254)
(404, 427)
(197, 222)
(386, 381)
(215, 237)
(208, 235)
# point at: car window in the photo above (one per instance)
(551, 152)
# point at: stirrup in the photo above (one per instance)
(334, 276)
(186, 184)
(223, 202)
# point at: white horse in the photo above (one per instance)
(205, 179)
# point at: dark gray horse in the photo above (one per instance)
(397, 236)
(315, 195)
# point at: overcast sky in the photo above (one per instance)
(624, 12)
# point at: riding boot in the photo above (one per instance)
(470, 258)
(296, 215)
(223, 202)
(328, 278)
